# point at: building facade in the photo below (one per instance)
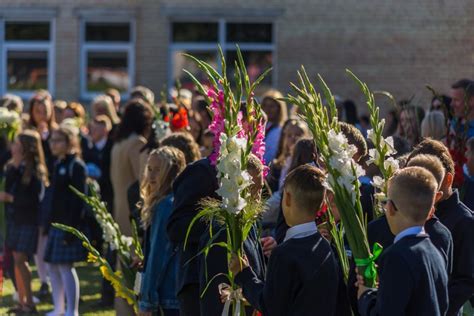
(76, 48)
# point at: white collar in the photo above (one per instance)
(101, 143)
(301, 231)
(415, 230)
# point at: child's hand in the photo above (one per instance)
(268, 244)
(360, 284)
(238, 264)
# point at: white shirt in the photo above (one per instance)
(301, 231)
(415, 230)
(101, 143)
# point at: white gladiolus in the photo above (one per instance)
(8, 117)
(233, 180)
(391, 164)
(378, 182)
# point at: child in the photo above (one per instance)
(412, 276)
(460, 221)
(294, 286)
(158, 288)
(26, 178)
(214, 264)
(379, 231)
(63, 249)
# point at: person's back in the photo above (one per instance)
(414, 273)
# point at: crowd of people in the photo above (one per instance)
(148, 160)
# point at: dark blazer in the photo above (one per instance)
(302, 279)
(197, 181)
(216, 262)
(412, 281)
(460, 221)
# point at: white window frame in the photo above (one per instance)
(108, 46)
(226, 46)
(31, 46)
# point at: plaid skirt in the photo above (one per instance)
(22, 238)
(63, 247)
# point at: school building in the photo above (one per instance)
(77, 48)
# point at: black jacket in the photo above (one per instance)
(26, 203)
(66, 207)
(216, 262)
(302, 279)
(460, 221)
(197, 181)
(412, 281)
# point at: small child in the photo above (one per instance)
(26, 177)
(294, 286)
(412, 276)
(63, 249)
(379, 231)
(158, 288)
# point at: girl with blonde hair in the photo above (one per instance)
(158, 288)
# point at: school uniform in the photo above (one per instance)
(412, 278)
(302, 277)
(22, 229)
(66, 208)
(197, 181)
(379, 232)
(460, 221)
(215, 263)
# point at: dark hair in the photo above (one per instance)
(354, 137)
(45, 99)
(465, 84)
(391, 129)
(304, 152)
(201, 107)
(184, 142)
(350, 110)
(137, 118)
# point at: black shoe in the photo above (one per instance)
(44, 291)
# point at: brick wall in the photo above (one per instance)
(397, 46)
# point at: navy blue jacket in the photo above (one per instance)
(302, 279)
(216, 262)
(413, 281)
(460, 221)
(197, 181)
(379, 231)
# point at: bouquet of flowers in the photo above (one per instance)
(382, 154)
(127, 248)
(343, 172)
(238, 132)
(10, 123)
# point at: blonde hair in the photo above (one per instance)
(107, 104)
(276, 97)
(412, 191)
(434, 126)
(171, 163)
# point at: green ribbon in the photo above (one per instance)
(369, 263)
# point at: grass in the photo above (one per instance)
(90, 287)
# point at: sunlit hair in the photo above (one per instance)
(434, 126)
(171, 163)
(105, 105)
(33, 157)
(71, 137)
(44, 99)
(283, 151)
(276, 97)
(431, 163)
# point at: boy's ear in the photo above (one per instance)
(448, 180)
(438, 196)
(431, 213)
(390, 209)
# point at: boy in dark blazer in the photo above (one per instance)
(459, 219)
(302, 275)
(412, 274)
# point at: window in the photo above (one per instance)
(107, 57)
(256, 41)
(26, 51)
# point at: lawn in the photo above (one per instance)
(90, 282)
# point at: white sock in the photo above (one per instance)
(71, 287)
(57, 289)
(39, 258)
